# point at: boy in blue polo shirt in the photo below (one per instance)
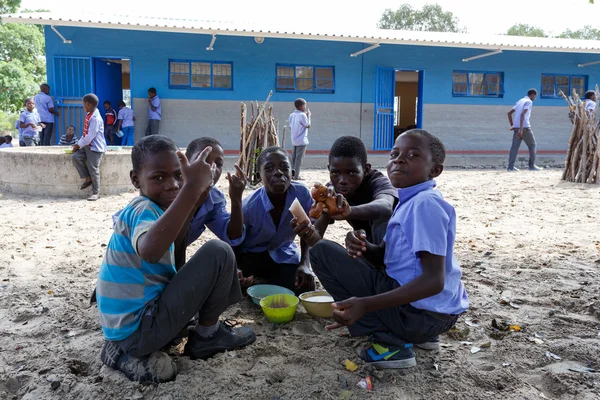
(407, 290)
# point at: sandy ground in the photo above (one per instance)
(523, 239)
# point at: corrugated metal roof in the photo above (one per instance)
(361, 35)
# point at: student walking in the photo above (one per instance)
(522, 130)
(45, 108)
(299, 123)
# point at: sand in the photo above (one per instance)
(529, 250)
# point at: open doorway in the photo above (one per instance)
(112, 82)
(406, 101)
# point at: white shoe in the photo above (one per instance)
(93, 197)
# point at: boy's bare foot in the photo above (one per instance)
(86, 184)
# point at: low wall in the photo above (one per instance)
(48, 171)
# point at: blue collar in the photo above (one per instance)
(406, 194)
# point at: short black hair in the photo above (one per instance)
(27, 100)
(149, 146)
(350, 147)
(122, 103)
(299, 103)
(197, 145)
(273, 149)
(531, 91)
(589, 94)
(152, 90)
(44, 85)
(8, 138)
(107, 102)
(436, 147)
(91, 98)
(71, 126)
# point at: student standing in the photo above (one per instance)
(110, 124)
(522, 131)
(299, 123)
(88, 152)
(154, 113)
(45, 108)
(126, 122)
(29, 121)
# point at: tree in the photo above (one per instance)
(587, 33)
(429, 18)
(526, 30)
(9, 6)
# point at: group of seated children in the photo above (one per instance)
(397, 280)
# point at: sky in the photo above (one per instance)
(489, 17)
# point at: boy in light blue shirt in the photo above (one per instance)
(154, 113)
(407, 290)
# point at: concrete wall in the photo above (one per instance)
(465, 122)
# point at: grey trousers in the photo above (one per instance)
(345, 277)
(46, 134)
(297, 157)
(152, 128)
(87, 163)
(28, 142)
(529, 139)
(206, 285)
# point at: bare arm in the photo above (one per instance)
(510, 117)
(381, 207)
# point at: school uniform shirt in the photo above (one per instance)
(299, 124)
(424, 222)
(5, 145)
(64, 142)
(126, 283)
(523, 105)
(126, 115)
(373, 185)
(111, 117)
(43, 103)
(155, 114)
(262, 234)
(590, 106)
(93, 132)
(213, 214)
(26, 118)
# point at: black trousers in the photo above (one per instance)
(46, 134)
(344, 277)
(206, 285)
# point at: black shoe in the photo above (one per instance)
(433, 344)
(226, 338)
(391, 357)
(85, 185)
(513, 169)
(536, 168)
(155, 368)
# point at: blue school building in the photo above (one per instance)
(369, 83)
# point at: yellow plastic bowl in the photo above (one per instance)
(279, 315)
(68, 151)
(317, 308)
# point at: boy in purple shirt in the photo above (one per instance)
(88, 152)
(407, 290)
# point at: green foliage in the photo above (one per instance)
(429, 18)
(7, 124)
(16, 84)
(587, 33)
(526, 30)
(9, 6)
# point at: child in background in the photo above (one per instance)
(29, 121)
(69, 138)
(88, 151)
(110, 125)
(126, 120)
(7, 142)
(143, 301)
(299, 122)
(370, 196)
(407, 290)
(269, 251)
(590, 101)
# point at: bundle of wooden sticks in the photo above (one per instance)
(257, 134)
(583, 158)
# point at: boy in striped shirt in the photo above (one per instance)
(69, 138)
(143, 300)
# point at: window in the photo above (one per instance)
(200, 75)
(552, 84)
(305, 78)
(477, 84)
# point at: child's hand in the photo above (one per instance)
(75, 147)
(347, 312)
(344, 209)
(306, 231)
(245, 281)
(304, 279)
(237, 183)
(199, 175)
(356, 244)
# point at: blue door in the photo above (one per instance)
(72, 80)
(385, 82)
(108, 83)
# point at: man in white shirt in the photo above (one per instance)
(299, 123)
(45, 108)
(590, 102)
(522, 130)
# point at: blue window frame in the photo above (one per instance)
(185, 74)
(305, 78)
(477, 84)
(552, 84)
